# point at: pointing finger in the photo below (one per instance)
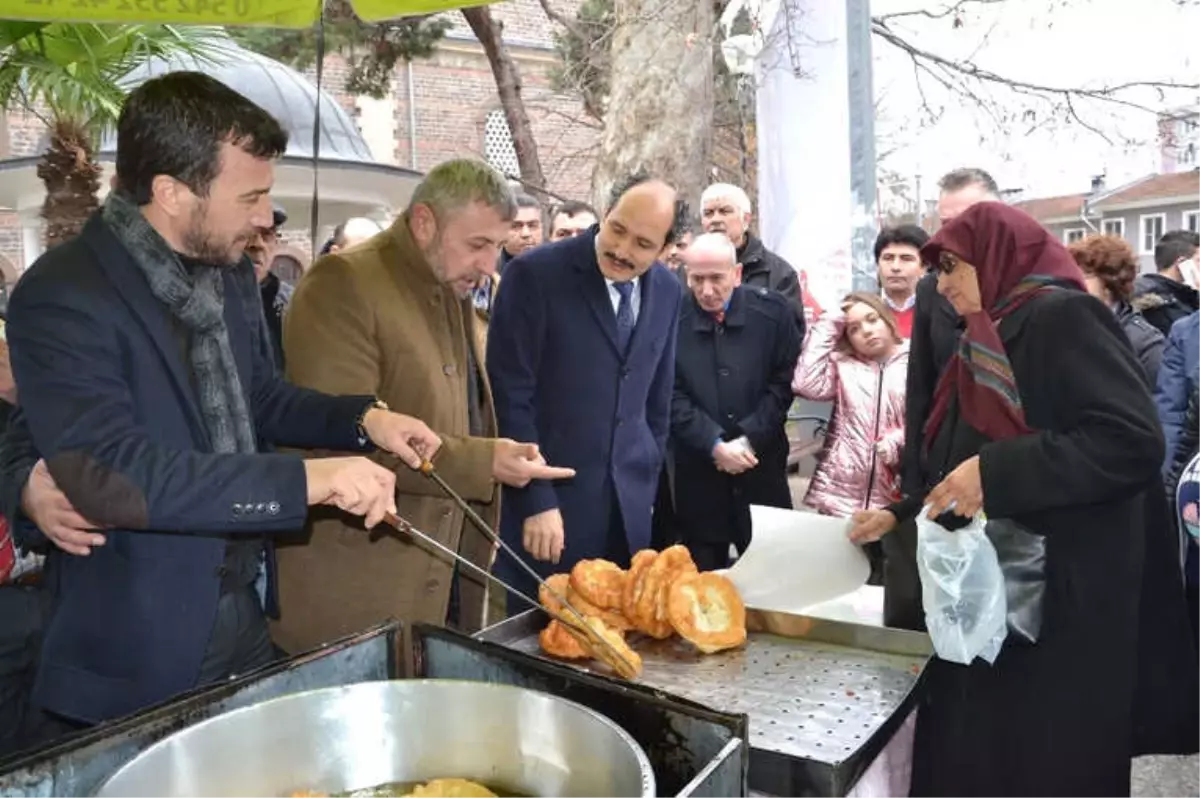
(552, 472)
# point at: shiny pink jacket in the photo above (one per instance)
(854, 472)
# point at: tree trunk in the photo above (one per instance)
(660, 104)
(72, 178)
(489, 32)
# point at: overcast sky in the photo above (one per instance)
(1058, 42)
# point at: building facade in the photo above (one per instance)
(442, 107)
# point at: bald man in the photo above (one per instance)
(581, 356)
(735, 355)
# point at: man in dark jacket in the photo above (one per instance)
(1178, 378)
(581, 356)
(734, 361)
(527, 231)
(725, 208)
(1166, 297)
(147, 384)
(275, 292)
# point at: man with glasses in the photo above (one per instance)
(276, 294)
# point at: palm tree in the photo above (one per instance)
(70, 77)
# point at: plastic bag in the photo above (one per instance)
(963, 590)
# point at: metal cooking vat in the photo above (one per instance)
(345, 738)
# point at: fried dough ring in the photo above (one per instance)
(611, 618)
(600, 582)
(559, 584)
(627, 666)
(651, 611)
(556, 641)
(707, 611)
(635, 582)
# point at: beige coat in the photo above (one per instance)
(375, 320)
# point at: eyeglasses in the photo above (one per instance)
(947, 263)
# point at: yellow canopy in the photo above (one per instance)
(267, 13)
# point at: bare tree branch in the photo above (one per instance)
(953, 8)
(969, 69)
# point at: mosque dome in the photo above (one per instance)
(282, 91)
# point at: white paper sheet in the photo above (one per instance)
(797, 560)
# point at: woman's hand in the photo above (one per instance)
(962, 488)
(867, 526)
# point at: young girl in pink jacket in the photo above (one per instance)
(857, 360)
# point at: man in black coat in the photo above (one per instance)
(725, 208)
(1170, 295)
(276, 294)
(736, 352)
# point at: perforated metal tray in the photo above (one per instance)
(823, 696)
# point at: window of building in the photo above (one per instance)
(1191, 221)
(498, 147)
(1153, 227)
(1187, 155)
(1073, 234)
(1113, 227)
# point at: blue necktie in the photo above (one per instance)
(625, 320)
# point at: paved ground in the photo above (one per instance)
(1153, 776)
(1166, 776)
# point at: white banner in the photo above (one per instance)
(803, 127)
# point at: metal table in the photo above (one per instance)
(823, 696)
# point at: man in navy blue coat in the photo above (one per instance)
(581, 356)
(147, 382)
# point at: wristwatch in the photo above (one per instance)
(376, 404)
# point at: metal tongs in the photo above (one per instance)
(576, 624)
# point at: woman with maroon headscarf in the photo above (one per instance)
(1042, 417)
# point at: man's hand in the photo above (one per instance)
(353, 484)
(404, 436)
(51, 510)
(543, 536)
(732, 458)
(867, 526)
(517, 464)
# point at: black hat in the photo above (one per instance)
(278, 215)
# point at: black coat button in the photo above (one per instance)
(273, 508)
(237, 509)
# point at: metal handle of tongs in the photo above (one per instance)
(400, 524)
(579, 623)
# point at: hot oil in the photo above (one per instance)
(395, 789)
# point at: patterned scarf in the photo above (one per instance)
(196, 299)
(1015, 259)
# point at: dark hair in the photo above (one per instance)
(622, 187)
(175, 125)
(527, 201)
(1110, 260)
(684, 223)
(908, 234)
(574, 208)
(959, 179)
(1173, 246)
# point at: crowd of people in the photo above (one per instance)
(203, 455)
